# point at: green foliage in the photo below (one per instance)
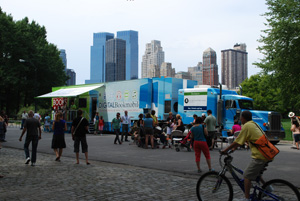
(281, 50)
(265, 93)
(286, 123)
(29, 66)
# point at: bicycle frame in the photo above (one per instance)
(232, 170)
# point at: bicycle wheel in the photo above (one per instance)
(211, 186)
(278, 189)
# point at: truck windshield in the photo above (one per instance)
(246, 104)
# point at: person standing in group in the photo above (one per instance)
(34, 134)
(170, 120)
(198, 133)
(296, 132)
(80, 126)
(115, 125)
(211, 122)
(148, 128)
(47, 121)
(154, 117)
(179, 125)
(96, 122)
(126, 123)
(101, 125)
(24, 117)
(58, 141)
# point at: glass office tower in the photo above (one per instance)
(132, 53)
(97, 71)
(63, 57)
(115, 58)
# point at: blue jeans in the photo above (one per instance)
(34, 143)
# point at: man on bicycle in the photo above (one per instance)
(250, 133)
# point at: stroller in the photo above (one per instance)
(186, 142)
(177, 137)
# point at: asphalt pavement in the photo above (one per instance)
(117, 172)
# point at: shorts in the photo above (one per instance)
(254, 169)
(84, 146)
(297, 137)
(212, 134)
(148, 131)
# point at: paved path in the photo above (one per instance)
(118, 172)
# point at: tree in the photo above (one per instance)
(30, 65)
(281, 50)
(262, 89)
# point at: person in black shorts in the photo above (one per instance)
(79, 129)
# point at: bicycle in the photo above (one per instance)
(216, 186)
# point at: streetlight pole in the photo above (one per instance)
(35, 81)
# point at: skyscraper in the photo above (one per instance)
(197, 73)
(210, 68)
(115, 60)
(166, 70)
(97, 70)
(71, 73)
(63, 57)
(234, 65)
(132, 53)
(154, 54)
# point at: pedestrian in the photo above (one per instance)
(126, 122)
(34, 134)
(250, 132)
(115, 126)
(101, 125)
(58, 141)
(148, 128)
(2, 130)
(80, 126)
(210, 121)
(293, 117)
(141, 131)
(47, 121)
(296, 132)
(198, 134)
(170, 121)
(96, 123)
(154, 117)
(24, 117)
(179, 125)
(236, 127)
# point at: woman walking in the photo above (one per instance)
(296, 131)
(148, 128)
(198, 132)
(58, 140)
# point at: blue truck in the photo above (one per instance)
(225, 106)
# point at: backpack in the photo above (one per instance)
(266, 148)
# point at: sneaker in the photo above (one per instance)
(27, 161)
(211, 170)
(199, 171)
(32, 164)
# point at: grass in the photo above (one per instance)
(286, 123)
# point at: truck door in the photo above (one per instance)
(230, 112)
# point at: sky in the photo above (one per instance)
(186, 28)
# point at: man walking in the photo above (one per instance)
(210, 122)
(79, 129)
(24, 117)
(126, 122)
(34, 134)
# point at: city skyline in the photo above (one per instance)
(184, 32)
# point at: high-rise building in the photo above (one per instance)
(63, 57)
(132, 53)
(153, 71)
(154, 54)
(166, 70)
(97, 70)
(183, 75)
(234, 65)
(115, 60)
(210, 68)
(197, 73)
(71, 73)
